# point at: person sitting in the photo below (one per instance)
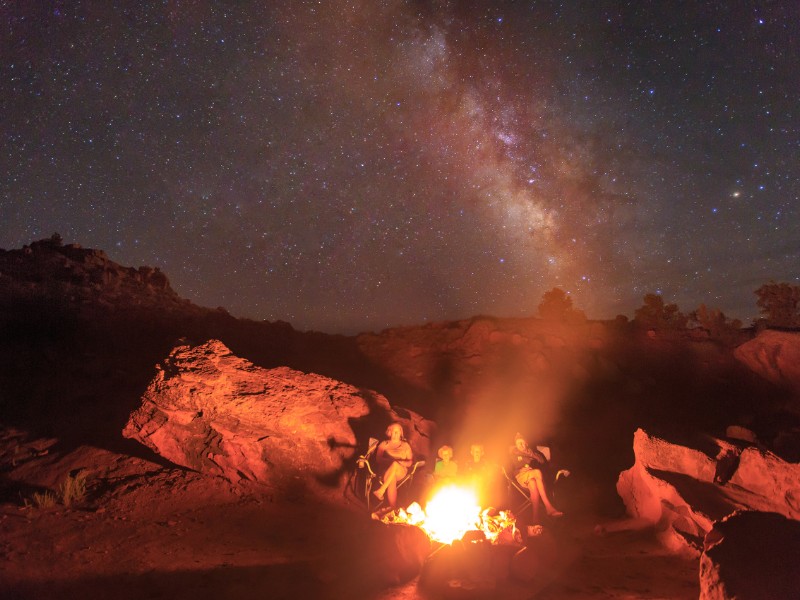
(476, 467)
(479, 473)
(446, 469)
(528, 466)
(397, 452)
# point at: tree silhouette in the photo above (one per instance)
(714, 321)
(556, 305)
(779, 303)
(55, 240)
(654, 314)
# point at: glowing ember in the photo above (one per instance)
(452, 512)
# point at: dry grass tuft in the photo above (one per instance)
(73, 488)
(43, 499)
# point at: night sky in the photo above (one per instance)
(354, 165)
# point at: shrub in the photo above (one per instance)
(44, 499)
(73, 488)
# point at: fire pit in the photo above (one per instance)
(472, 548)
(474, 552)
(453, 513)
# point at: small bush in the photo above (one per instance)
(73, 488)
(44, 499)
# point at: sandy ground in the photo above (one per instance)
(149, 531)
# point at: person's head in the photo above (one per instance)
(520, 442)
(477, 452)
(445, 453)
(394, 432)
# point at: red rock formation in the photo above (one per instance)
(751, 556)
(683, 491)
(775, 355)
(214, 412)
(82, 275)
(767, 475)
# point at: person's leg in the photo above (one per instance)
(533, 490)
(538, 482)
(400, 472)
(388, 477)
(391, 493)
(393, 473)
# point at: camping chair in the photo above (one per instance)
(519, 498)
(519, 505)
(365, 476)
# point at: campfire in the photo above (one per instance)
(453, 513)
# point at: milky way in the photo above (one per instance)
(354, 165)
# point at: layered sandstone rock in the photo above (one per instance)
(775, 355)
(211, 411)
(751, 556)
(683, 490)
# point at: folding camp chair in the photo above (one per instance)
(518, 496)
(365, 477)
(519, 499)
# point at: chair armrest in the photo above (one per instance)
(363, 463)
(416, 465)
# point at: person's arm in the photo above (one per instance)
(381, 453)
(402, 455)
(520, 457)
(537, 456)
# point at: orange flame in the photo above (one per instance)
(452, 512)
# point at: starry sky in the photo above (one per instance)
(350, 165)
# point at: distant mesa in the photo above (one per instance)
(79, 276)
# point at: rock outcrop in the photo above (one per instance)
(775, 355)
(211, 411)
(751, 556)
(393, 554)
(683, 490)
(49, 271)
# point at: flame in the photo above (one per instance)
(452, 512)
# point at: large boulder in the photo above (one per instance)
(768, 476)
(651, 490)
(751, 556)
(683, 489)
(775, 355)
(214, 412)
(466, 569)
(392, 554)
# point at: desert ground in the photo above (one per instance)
(150, 530)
